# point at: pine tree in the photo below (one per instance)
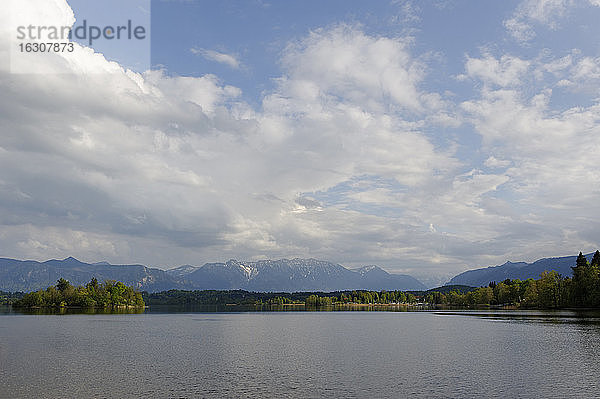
(581, 260)
(62, 284)
(585, 283)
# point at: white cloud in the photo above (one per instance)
(205, 91)
(551, 153)
(586, 71)
(493, 162)
(337, 162)
(230, 60)
(576, 72)
(179, 168)
(504, 72)
(376, 71)
(531, 12)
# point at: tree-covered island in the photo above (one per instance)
(110, 294)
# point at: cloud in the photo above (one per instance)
(586, 72)
(532, 12)
(343, 61)
(222, 58)
(346, 158)
(550, 152)
(530, 15)
(504, 72)
(168, 170)
(493, 162)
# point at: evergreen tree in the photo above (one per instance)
(62, 284)
(584, 287)
(581, 261)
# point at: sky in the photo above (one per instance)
(426, 137)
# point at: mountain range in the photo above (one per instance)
(516, 270)
(284, 275)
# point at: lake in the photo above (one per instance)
(301, 355)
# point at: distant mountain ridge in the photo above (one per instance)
(28, 275)
(518, 270)
(284, 275)
(291, 275)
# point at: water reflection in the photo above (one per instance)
(575, 317)
(283, 308)
(70, 311)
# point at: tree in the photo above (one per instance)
(92, 286)
(312, 300)
(401, 297)
(585, 289)
(485, 295)
(548, 289)
(596, 259)
(581, 261)
(530, 297)
(502, 292)
(594, 284)
(62, 284)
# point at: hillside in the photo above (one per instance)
(518, 270)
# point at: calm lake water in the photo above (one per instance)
(301, 355)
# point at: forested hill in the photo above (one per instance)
(519, 270)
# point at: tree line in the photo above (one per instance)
(111, 293)
(362, 297)
(551, 290)
(244, 298)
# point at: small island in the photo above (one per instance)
(110, 294)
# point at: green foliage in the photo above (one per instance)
(225, 297)
(109, 294)
(581, 261)
(551, 290)
(549, 294)
(596, 259)
(7, 298)
(585, 286)
(245, 298)
(315, 300)
(63, 285)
